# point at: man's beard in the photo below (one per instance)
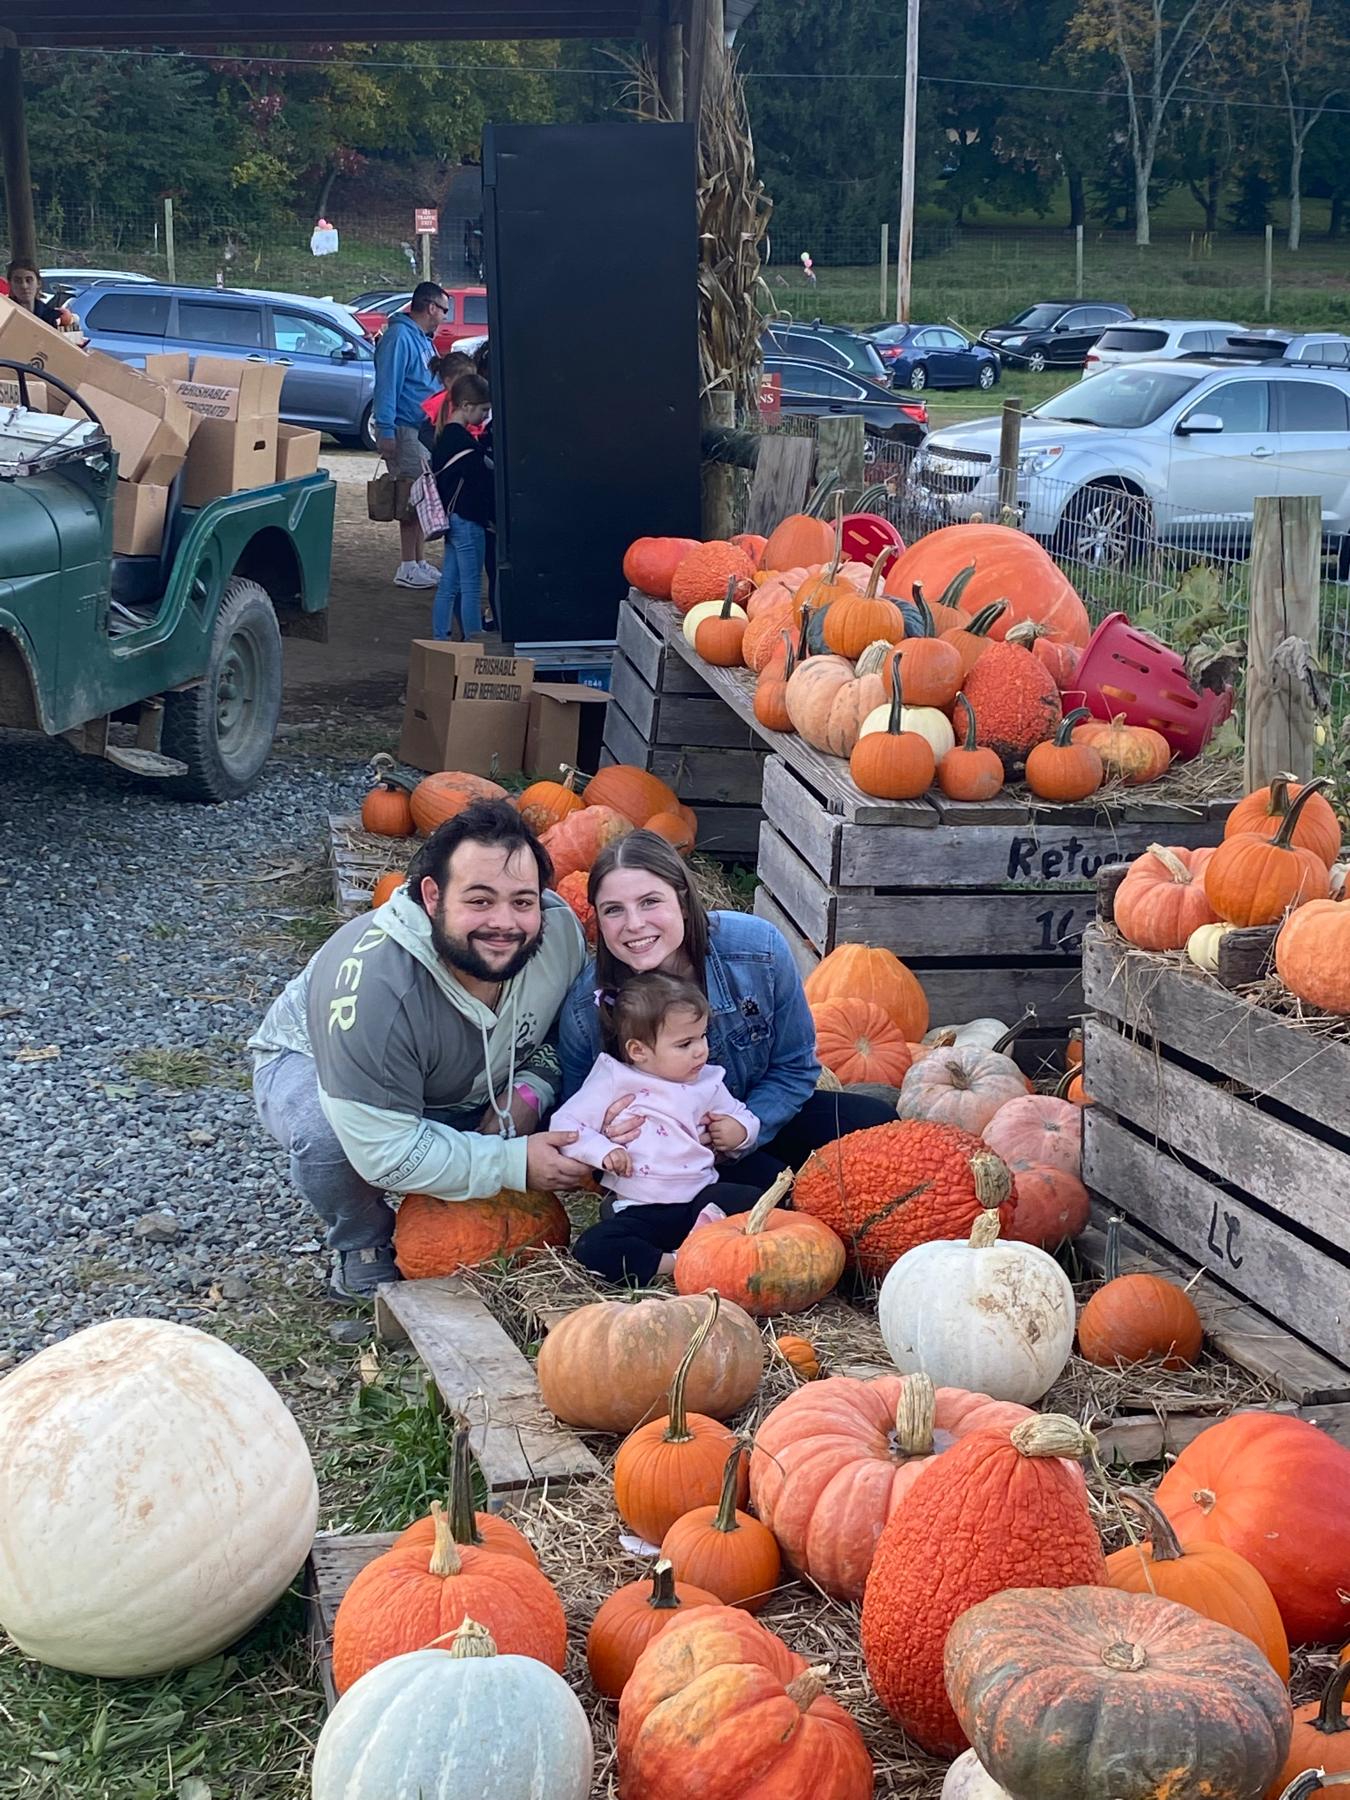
(463, 955)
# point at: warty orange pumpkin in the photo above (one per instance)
(1061, 656)
(575, 890)
(1261, 811)
(723, 1549)
(720, 1708)
(832, 1462)
(1016, 701)
(630, 1618)
(670, 1465)
(436, 1237)
(1215, 1581)
(766, 1260)
(999, 1510)
(1253, 880)
(889, 1187)
(576, 841)
(704, 573)
(408, 1599)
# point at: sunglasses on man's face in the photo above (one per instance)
(440, 306)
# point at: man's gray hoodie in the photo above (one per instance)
(400, 1047)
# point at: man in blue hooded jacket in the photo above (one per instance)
(403, 380)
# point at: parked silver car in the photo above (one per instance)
(1143, 340)
(1175, 452)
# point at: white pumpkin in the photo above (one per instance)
(992, 1317)
(926, 720)
(456, 1724)
(707, 609)
(981, 1034)
(968, 1779)
(156, 1498)
(1202, 946)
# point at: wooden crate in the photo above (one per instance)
(1221, 1131)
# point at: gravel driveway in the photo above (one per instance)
(138, 946)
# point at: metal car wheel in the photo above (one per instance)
(918, 377)
(1036, 362)
(223, 726)
(1105, 527)
(367, 433)
(987, 377)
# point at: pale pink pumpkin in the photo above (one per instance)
(962, 1086)
(1038, 1128)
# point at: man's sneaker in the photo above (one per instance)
(357, 1273)
(417, 575)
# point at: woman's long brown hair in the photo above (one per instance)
(648, 851)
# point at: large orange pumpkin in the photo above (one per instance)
(832, 1462)
(1253, 879)
(478, 1530)
(889, 1187)
(634, 792)
(1008, 565)
(436, 1237)
(766, 1260)
(410, 1598)
(1262, 811)
(1038, 1128)
(862, 972)
(1163, 899)
(997, 1511)
(1273, 1489)
(1312, 954)
(720, 1708)
(630, 1618)
(576, 841)
(443, 796)
(858, 1041)
(1210, 1578)
(1016, 703)
(1321, 1737)
(649, 563)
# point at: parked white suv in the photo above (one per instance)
(1156, 339)
(1172, 452)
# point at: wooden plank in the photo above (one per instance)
(678, 718)
(335, 1560)
(957, 993)
(1148, 1437)
(964, 925)
(1058, 859)
(799, 891)
(1233, 1328)
(1303, 1070)
(730, 777)
(645, 647)
(800, 817)
(483, 1379)
(728, 833)
(782, 475)
(1308, 1289)
(623, 742)
(766, 907)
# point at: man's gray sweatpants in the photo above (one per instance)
(286, 1095)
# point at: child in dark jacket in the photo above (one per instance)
(464, 480)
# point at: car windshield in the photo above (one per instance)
(1037, 318)
(1122, 399)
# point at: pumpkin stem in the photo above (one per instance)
(1172, 863)
(1015, 1030)
(820, 494)
(951, 594)
(1277, 802)
(677, 1424)
(1158, 1527)
(732, 583)
(1111, 1258)
(970, 720)
(463, 1519)
(988, 616)
(805, 1689)
(873, 657)
(915, 1417)
(445, 1557)
(927, 627)
(1126, 1659)
(893, 722)
(724, 1519)
(883, 559)
(663, 1597)
(985, 1231)
(1065, 1082)
(1331, 1717)
(993, 1181)
(1064, 735)
(471, 1639)
(769, 1199)
(803, 648)
(1284, 837)
(789, 656)
(1311, 1782)
(1052, 1434)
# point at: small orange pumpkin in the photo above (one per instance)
(766, 1261)
(1137, 1318)
(546, 803)
(718, 640)
(857, 1040)
(771, 689)
(386, 887)
(972, 639)
(801, 1356)
(1133, 754)
(634, 792)
(631, 1617)
(1164, 897)
(1061, 769)
(893, 764)
(723, 1549)
(930, 666)
(386, 810)
(1254, 880)
(856, 620)
(1321, 1737)
(1312, 954)
(968, 771)
(675, 829)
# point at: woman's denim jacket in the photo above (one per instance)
(759, 1030)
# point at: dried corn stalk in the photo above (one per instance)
(733, 218)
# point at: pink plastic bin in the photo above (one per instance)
(1125, 671)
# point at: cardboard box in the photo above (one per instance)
(110, 376)
(297, 452)
(37, 393)
(567, 721)
(139, 512)
(168, 365)
(234, 445)
(465, 706)
(24, 338)
(149, 433)
(230, 388)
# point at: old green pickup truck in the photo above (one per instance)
(168, 665)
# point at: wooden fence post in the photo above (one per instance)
(841, 441)
(719, 478)
(1286, 571)
(1009, 445)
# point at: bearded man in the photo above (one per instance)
(415, 1052)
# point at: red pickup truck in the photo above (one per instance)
(467, 317)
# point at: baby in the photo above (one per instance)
(658, 1186)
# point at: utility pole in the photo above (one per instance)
(905, 254)
(14, 150)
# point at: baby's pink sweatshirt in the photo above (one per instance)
(670, 1165)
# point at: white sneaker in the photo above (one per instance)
(429, 568)
(416, 575)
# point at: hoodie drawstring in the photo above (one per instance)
(504, 1119)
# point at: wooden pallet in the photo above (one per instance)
(484, 1380)
(1220, 1132)
(358, 858)
(335, 1560)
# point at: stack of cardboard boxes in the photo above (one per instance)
(214, 418)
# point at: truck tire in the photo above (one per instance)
(223, 727)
